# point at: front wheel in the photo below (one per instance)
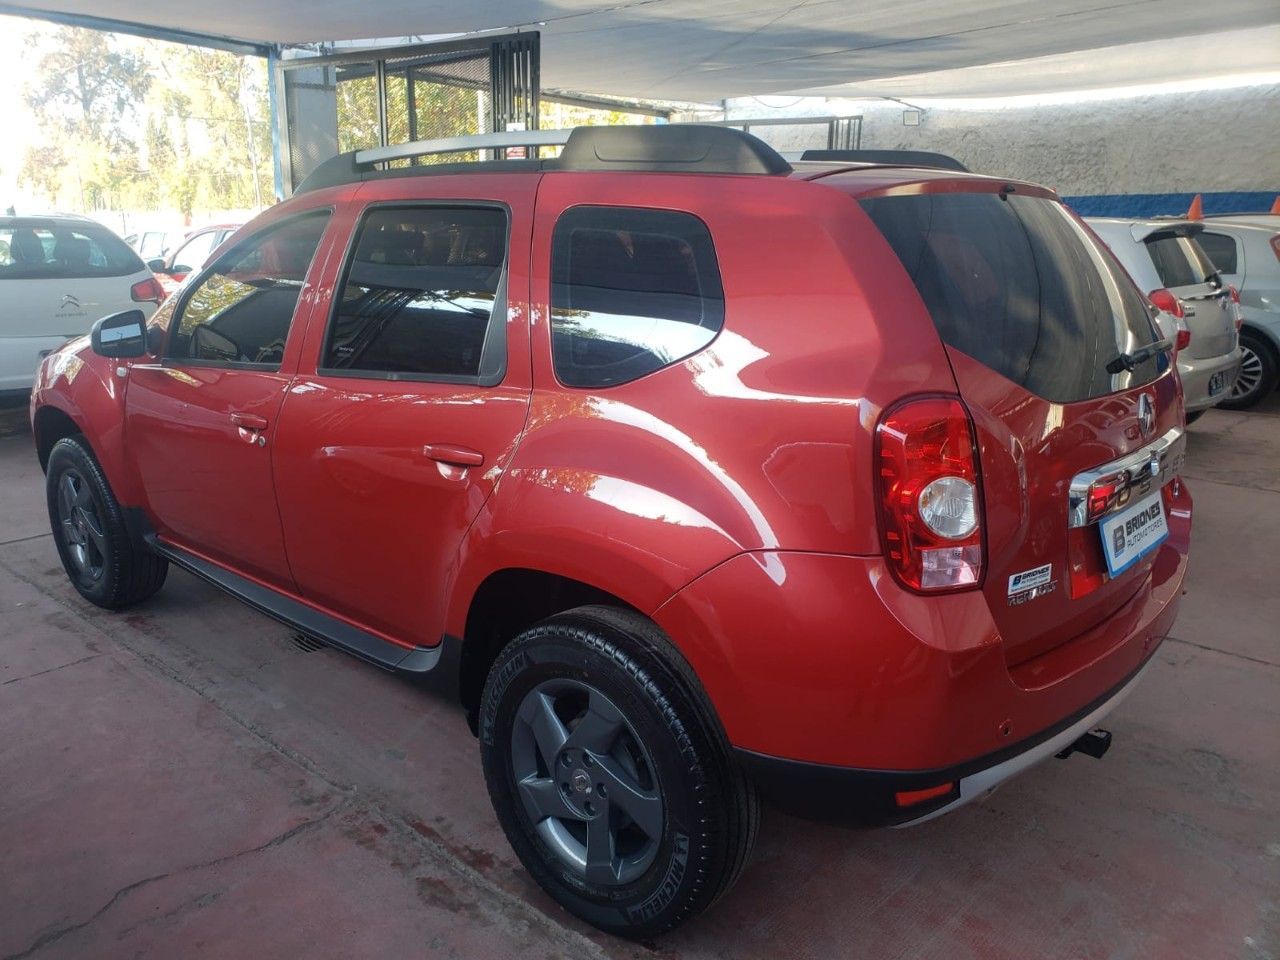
(102, 560)
(610, 774)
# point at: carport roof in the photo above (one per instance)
(712, 49)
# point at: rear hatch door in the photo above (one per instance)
(1032, 310)
(1186, 271)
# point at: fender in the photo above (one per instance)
(86, 387)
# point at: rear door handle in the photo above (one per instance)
(249, 421)
(453, 454)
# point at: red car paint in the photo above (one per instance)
(730, 496)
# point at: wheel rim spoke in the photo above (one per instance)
(93, 527)
(644, 807)
(599, 727)
(542, 799)
(66, 496)
(601, 860)
(548, 732)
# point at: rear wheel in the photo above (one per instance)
(102, 560)
(1257, 377)
(610, 774)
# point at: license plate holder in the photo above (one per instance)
(1217, 383)
(1132, 533)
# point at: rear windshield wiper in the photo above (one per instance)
(1130, 361)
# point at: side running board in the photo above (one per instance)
(330, 630)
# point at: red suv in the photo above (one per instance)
(706, 477)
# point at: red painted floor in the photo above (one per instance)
(183, 781)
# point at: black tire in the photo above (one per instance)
(1194, 416)
(1258, 368)
(671, 742)
(105, 564)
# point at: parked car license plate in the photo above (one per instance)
(1132, 533)
(1217, 383)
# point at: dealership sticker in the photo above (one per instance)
(1030, 579)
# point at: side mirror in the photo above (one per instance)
(120, 335)
(156, 265)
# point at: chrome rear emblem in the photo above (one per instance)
(68, 301)
(1146, 415)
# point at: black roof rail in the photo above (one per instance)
(896, 158)
(673, 148)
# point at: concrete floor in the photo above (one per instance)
(182, 780)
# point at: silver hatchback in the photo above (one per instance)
(1167, 263)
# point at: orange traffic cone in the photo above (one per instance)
(1196, 210)
(1275, 207)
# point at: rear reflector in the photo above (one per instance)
(930, 503)
(147, 291)
(1166, 301)
(909, 798)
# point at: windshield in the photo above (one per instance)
(1016, 283)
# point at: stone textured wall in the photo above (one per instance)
(1202, 142)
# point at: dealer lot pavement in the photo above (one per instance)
(184, 780)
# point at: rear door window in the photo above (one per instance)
(423, 296)
(1019, 286)
(632, 290)
(1179, 261)
(1221, 249)
(42, 250)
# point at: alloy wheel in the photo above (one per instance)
(82, 528)
(587, 782)
(1249, 379)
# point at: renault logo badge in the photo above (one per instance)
(1146, 415)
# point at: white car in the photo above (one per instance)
(1246, 251)
(1167, 263)
(58, 274)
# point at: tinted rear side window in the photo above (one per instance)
(1179, 261)
(1221, 249)
(63, 251)
(632, 291)
(1016, 284)
(420, 294)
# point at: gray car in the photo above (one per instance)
(1167, 263)
(1246, 251)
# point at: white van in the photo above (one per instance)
(58, 274)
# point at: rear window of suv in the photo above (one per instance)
(44, 250)
(1017, 284)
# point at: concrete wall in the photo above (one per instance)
(1210, 141)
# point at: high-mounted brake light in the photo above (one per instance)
(1166, 301)
(930, 506)
(147, 291)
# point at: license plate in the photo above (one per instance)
(1217, 383)
(1131, 534)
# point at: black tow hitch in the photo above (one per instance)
(1092, 744)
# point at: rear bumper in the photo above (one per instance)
(839, 689)
(1196, 374)
(19, 357)
(870, 797)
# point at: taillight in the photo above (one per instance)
(147, 291)
(1166, 301)
(931, 514)
(1183, 339)
(1235, 298)
(1275, 245)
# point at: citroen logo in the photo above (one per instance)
(1146, 415)
(69, 301)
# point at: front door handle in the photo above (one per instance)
(453, 454)
(249, 421)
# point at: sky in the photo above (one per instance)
(16, 119)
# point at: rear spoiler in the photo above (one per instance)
(1147, 231)
(893, 158)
